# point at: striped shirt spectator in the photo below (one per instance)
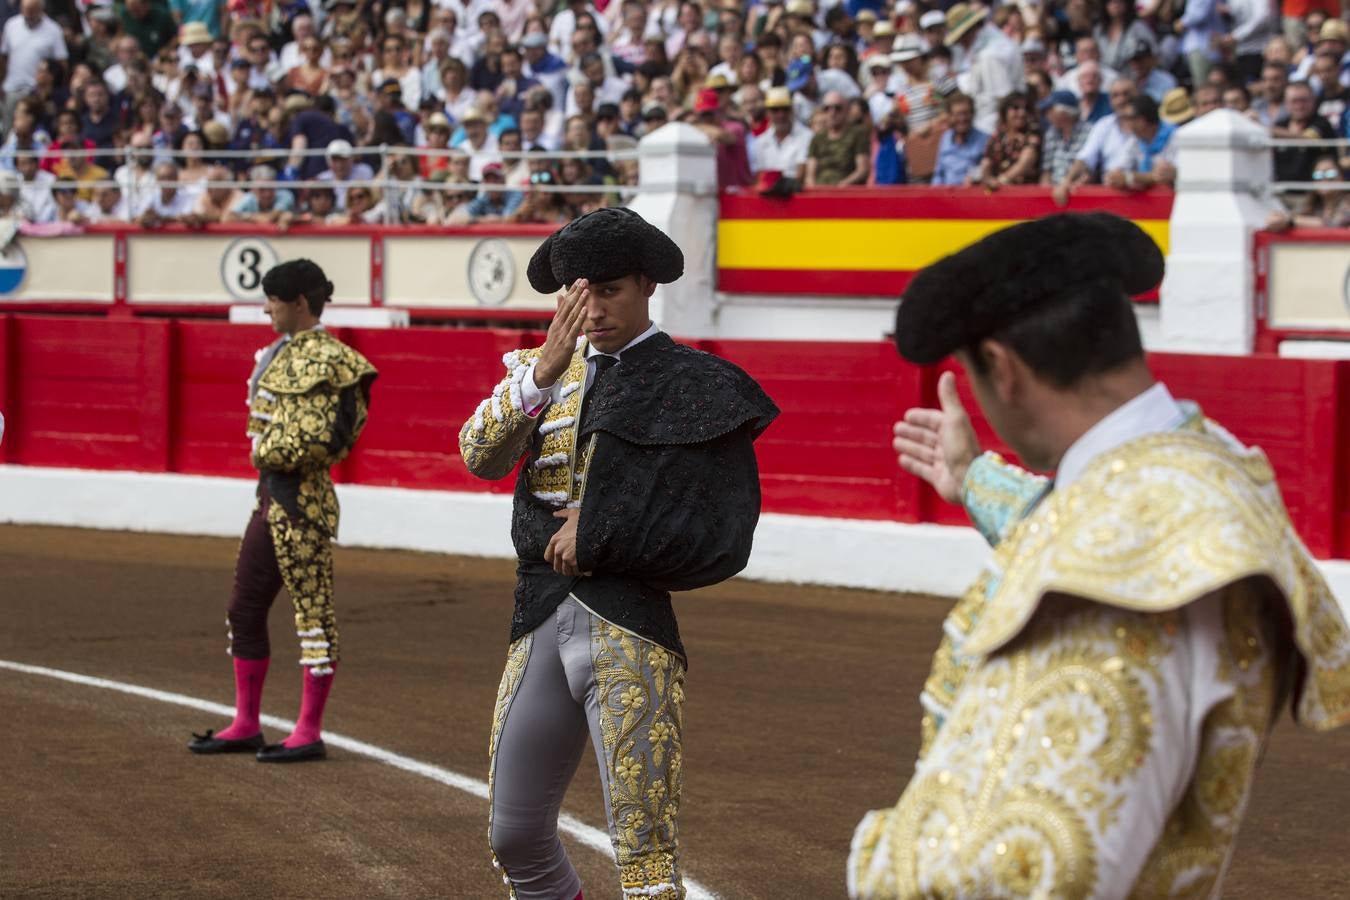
(1065, 137)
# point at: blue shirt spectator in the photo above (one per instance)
(1154, 148)
(1148, 78)
(1203, 23)
(890, 161)
(1101, 108)
(962, 144)
(494, 204)
(544, 67)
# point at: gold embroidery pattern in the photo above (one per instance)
(1030, 770)
(551, 476)
(294, 412)
(313, 358)
(1157, 523)
(640, 691)
(1198, 839)
(516, 657)
(948, 672)
(305, 557)
(499, 433)
(1152, 526)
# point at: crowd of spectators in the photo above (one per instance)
(462, 111)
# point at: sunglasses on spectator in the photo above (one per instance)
(1120, 94)
(1325, 175)
(831, 107)
(541, 178)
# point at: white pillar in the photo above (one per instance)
(1222, 197)
(677, 174)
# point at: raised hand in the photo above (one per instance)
(938, 445)
(561, 342)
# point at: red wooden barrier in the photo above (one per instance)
(7, 400)
(162, 396)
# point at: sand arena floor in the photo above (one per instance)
(802, 714)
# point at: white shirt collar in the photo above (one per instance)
(285, 338)
(652, 329)
(1151, 412)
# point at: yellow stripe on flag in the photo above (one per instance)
(859, 245)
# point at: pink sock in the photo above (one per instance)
(312, 700)
(249, 675)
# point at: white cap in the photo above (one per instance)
(904, 7)
(339, 147)
(931, 18)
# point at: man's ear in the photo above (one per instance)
(1002, 369)
(648, 286)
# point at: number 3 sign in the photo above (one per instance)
(243, 265)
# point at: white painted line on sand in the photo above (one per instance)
(592, 837)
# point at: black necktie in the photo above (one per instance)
(603, 363)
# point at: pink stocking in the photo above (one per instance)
(312, 701)
(249, 675)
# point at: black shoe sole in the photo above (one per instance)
(213, 746)
(280, 753)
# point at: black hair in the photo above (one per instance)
(385, 130)
(1085, 331)
(182, 138)
(298, 278)
(1145, 107)
(325, 104)
(836, 15)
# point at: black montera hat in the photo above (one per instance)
(1013, 273)
(602, 246)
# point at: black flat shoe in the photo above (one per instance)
(282, 753)
(208, 743)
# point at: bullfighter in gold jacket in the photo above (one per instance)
(308, 399)
(1104, 690)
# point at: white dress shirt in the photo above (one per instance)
(533, 399)
(786, 156)
(1151, 412)
(37, 194)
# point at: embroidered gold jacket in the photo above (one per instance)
(498, 435)
(306, 410)
(1038, 730)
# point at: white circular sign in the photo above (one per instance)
(243, 266)
(492, 272)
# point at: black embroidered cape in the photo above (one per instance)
(671, 494)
